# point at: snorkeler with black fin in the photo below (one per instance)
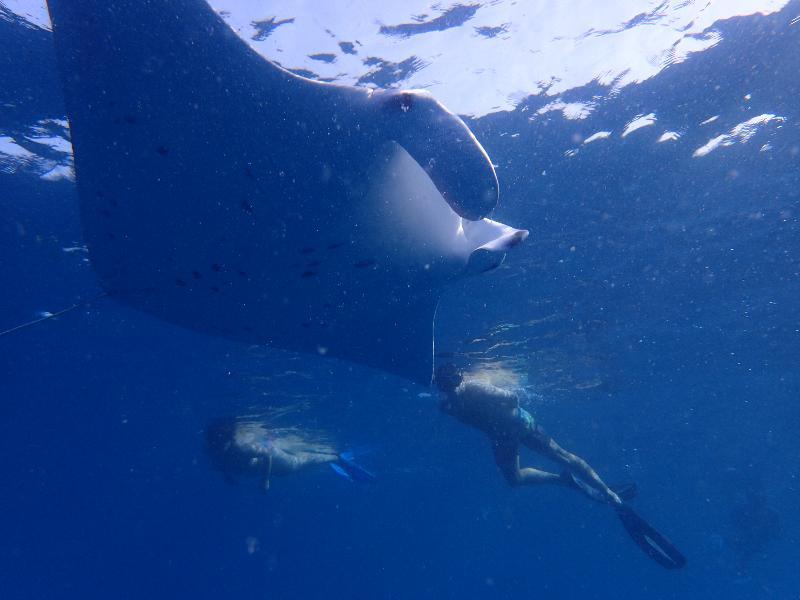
(239, 447)
(652, 543)
(497, 413)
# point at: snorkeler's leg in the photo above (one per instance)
(305, 459)
(506, 456)
(546, 446)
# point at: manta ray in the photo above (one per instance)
(223, 193)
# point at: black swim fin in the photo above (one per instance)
(652, 543)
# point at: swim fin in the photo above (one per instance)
(652, 543)
(349, 469)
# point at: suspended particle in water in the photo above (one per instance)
(252, 544)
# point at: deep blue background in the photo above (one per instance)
(668, 354)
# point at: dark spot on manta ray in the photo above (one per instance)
(162, 150)
(307, 250)
(197, 274)
(247, 207)
(216, 267)
(307, 274)
(366, 263)
(180, 282)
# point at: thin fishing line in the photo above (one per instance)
(49, 316)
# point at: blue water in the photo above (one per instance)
(652, 313)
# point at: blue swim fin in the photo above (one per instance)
(347, 467)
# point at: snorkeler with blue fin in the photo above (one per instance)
(252, 448)
(497, 413)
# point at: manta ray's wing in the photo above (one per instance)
(224, 194)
